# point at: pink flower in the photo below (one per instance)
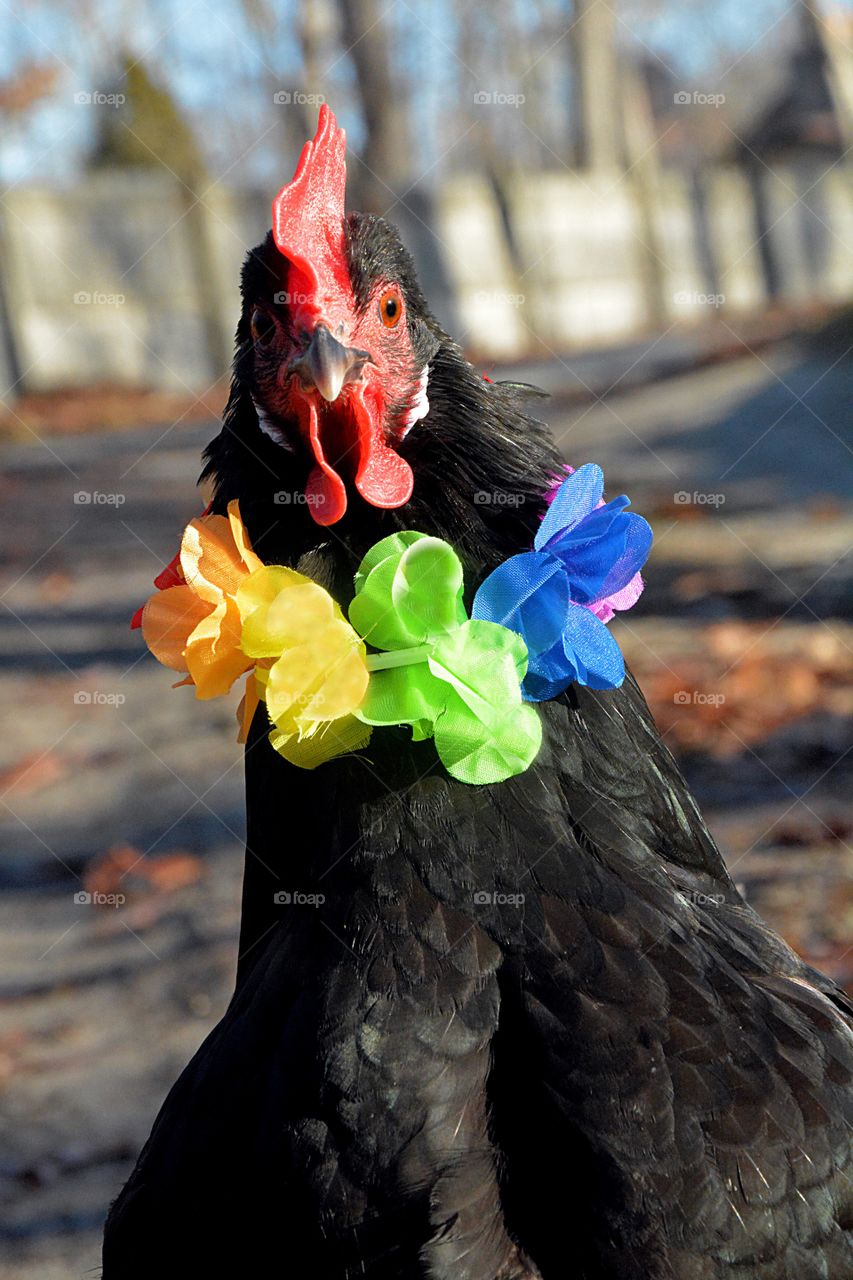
(620, 600)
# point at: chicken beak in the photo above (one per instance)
(327, 365)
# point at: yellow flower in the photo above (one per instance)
(195, 627)
(229, 613)
(318, 674)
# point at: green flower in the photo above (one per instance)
(449, 678)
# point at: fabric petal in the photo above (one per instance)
(210, 561)
(484, 662)
(606, 608)
(587, 654)
(412, 595)
(577, 496)
(625, 569)
(479, 753)
(333, 738)
(241, 538)
(485, 733)
(427, 589)
(589, 565)
(168, 620)
(404, 695)
(172, 575)
(214, 657)
(280, 608)
(247, 708)
(595, 528)
(606, 561)
(548, 674)
(529, 593)
(323, 679)
(372, 610)
(394, 545)
(546, 678)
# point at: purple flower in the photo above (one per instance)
(607, 609)
(584, 565)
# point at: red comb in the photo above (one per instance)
(308, 214)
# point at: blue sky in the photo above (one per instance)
(224, 74)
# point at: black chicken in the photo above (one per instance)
(533, 1029)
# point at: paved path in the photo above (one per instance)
(102, 1006)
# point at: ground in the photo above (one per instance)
(111, 784)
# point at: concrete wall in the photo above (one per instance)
(103, 281)
(126, 280)
(579, 275)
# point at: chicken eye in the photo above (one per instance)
(262, 326)
(390, 308)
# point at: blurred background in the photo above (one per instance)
(644, 206)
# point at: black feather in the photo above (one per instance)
(532, 1030)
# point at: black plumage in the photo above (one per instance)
(532, 1029)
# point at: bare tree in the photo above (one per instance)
(386, 156)
(832, 29)
(598, 101)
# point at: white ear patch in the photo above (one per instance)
(419, 407)
(270, 429)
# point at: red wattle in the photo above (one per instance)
(325, 491)
(383, 478)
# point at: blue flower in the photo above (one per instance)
(585, 552)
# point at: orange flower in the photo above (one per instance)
(195, 627)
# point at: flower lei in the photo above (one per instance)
(408, 653)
